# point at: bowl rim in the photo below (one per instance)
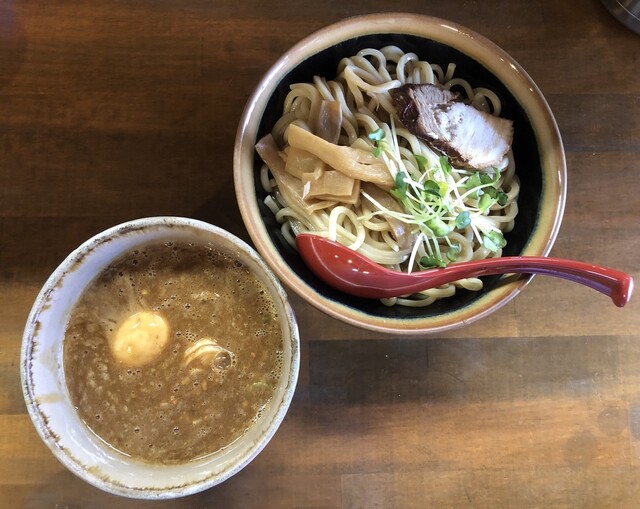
(495, 60)
(40, 418)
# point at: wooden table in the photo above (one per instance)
(114, 110)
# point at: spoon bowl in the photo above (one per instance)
(348, 271)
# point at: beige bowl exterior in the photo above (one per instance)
(46, 393)
(497, 61)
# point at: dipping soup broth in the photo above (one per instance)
(173, 352)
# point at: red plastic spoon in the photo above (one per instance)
(352, 273)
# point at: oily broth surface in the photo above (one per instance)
(171, 410)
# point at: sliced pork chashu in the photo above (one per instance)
(469, 137)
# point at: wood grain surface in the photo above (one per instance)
(115, 110)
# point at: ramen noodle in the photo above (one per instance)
(385, 192)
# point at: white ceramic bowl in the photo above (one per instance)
(538, 151)
(46, 393)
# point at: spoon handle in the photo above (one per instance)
(615, 284)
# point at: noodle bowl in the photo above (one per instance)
(534, 173)
(451, 223)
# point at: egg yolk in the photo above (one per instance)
(140, 339)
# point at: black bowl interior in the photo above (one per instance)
(527, 160)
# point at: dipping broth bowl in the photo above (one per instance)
(47, 394)
(537, 147)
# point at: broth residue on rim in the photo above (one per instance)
(174, 400)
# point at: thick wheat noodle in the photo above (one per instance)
(362, 90)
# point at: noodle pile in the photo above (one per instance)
(415, 210)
